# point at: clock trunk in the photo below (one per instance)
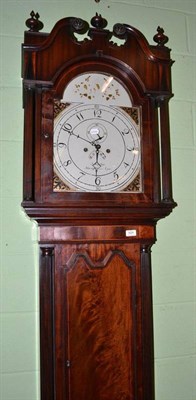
(99, 316)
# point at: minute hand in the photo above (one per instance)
(85, 140)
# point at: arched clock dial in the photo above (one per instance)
(96, 148)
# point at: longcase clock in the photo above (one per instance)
(97, 178)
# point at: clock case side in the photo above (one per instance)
(49, 60)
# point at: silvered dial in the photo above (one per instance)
(96, 148)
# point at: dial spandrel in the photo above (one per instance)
(96, 147)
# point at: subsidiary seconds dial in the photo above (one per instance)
(96, 148)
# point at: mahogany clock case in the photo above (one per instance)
(50, 62)
(96, 325)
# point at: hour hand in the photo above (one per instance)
(99, 138)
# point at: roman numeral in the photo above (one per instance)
(80, 116)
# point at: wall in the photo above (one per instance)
(173, 255)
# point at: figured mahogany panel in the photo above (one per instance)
(97, 311)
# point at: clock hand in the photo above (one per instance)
(99, 138)
(97, 146)
(79, 137)
(97, 156)
(93, 143)
(96, 164)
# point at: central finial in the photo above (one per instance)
(98, 22)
